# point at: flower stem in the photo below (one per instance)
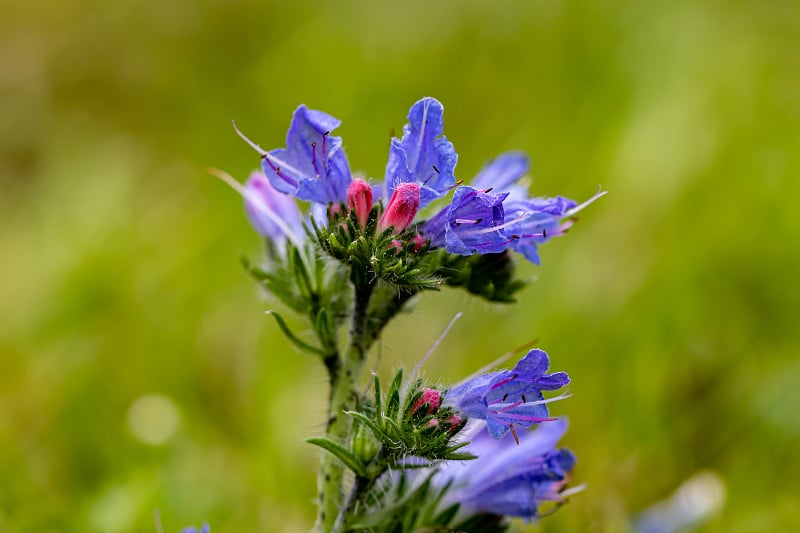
(343, 397)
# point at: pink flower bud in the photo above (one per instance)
(453, 420)
(402, 208)
(419, 242)
(432, 397)
(397, 244)
(359, 199)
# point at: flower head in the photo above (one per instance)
(423, 156)
(509, 398)
(509, 480)
(313, 166)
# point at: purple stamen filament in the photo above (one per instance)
(504, 381)
(314, 158)
(325, 151)
(277, 170)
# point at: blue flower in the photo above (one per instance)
(191, 529)
(509, 480)
(518, 222)
(272, 213)
(472, 223)
(423, 156)
(313, 166)
(509, 398)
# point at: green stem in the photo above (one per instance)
(360, 487)
(342, 398)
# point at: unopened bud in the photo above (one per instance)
(419, 242)
(431, 397)
(402, 208)
(396, 245)
(453, 421)
(359, 199)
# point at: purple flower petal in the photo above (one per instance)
(423, 156)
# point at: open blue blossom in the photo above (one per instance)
(509, 480)
(423, 156)
(522, 223)
(509, 398)
(470, 224)
(313, 166)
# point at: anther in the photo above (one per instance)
(436, 169)
(524, 399)
(514, 432)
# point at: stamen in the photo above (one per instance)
(277, 170)
(314, 157)
(325, 151)
(504, 381)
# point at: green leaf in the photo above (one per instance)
(377, 387)
(338, 451)
(292, 337)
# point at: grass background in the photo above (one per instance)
(673, 304)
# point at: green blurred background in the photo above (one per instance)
(138, 371)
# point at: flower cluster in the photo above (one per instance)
(491, 215)
(420, 456)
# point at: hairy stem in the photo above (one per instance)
(342, 398)
(360, 486)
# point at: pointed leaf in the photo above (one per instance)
(292, 337)
(338, 451)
